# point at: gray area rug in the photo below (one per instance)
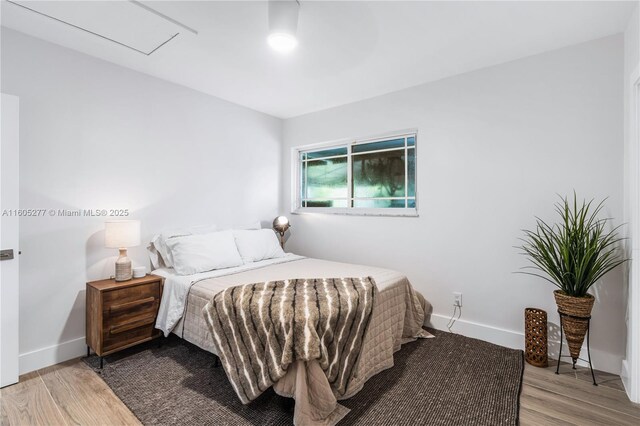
(449, 380)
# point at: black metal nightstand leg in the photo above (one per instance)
(101, 362)
(88, 351)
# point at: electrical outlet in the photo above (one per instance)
(457, 299)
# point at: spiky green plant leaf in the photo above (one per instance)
(576, 252)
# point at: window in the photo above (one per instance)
(369, 176)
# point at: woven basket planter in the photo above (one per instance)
(576, 324)
(535, 336)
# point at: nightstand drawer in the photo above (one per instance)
(122, 312)
(118, 336)
(119, 298)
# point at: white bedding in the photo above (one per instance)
(176, 288)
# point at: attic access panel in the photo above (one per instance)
(127, 23)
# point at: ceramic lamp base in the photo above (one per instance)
(123, 266)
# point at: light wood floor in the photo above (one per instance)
(72, 394)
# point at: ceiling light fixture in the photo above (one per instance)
(283, 25)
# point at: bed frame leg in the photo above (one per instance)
(216, 361)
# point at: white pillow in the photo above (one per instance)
(258, 245)
(204, 252)
(154, 256)
(159, 247)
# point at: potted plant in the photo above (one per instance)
(573, 255)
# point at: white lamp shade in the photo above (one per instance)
(121, 233)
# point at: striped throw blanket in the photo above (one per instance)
(260, 329)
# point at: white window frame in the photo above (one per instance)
(296, 201)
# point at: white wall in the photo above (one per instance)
(94, 135)
(495, 146)
(631, 367)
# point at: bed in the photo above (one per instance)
(397, 315)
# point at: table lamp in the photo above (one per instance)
(281, 224)
(122, 234)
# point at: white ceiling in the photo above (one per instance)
(347, 51)
(124, 22)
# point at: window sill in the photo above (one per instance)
(357, 212)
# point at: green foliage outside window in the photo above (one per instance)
(383, 175)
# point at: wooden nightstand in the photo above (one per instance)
(122, 314)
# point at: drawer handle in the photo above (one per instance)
(117, 329)
(133, 304)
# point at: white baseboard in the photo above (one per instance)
(604, 361)
(601, 360)
(41, 358)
